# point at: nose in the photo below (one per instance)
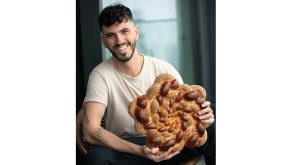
(119, 39)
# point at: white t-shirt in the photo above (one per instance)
(108, 86)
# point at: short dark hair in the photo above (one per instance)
(114, 13)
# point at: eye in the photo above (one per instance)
(109, 35)
(124, 31)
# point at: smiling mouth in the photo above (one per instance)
(122, 47)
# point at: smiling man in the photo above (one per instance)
(113, 84)
(120, 39)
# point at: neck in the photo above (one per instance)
(132, 67)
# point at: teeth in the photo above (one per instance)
(122, 47)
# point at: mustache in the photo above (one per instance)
(118, 45)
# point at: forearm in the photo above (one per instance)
(93, 113)
(100, 136)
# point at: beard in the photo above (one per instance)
(120, 57)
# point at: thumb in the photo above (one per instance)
(150, 150)
(154, 150)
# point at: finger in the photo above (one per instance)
(206, 104)
(151, 150)
(169, 151)
(204, 111)
(164, 154)
(171, 155)
(154, 150)
(168, 154)
(206, 116)
(208, 121)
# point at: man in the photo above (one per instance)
(113, 84)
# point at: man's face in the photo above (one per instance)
(120, 39)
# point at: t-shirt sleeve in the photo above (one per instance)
(96, 89)
(175, 73)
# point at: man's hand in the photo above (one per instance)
(156, 155)
(206, 114)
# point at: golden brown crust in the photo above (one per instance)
(167, 114)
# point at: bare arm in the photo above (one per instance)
(93, 133)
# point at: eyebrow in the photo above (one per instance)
(125, 29)
(111, 33)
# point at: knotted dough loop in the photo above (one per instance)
(167, 114)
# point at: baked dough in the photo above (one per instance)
(167, 114)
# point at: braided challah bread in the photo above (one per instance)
(167, 114)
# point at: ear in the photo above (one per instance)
(102, 40)
(136, 31)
